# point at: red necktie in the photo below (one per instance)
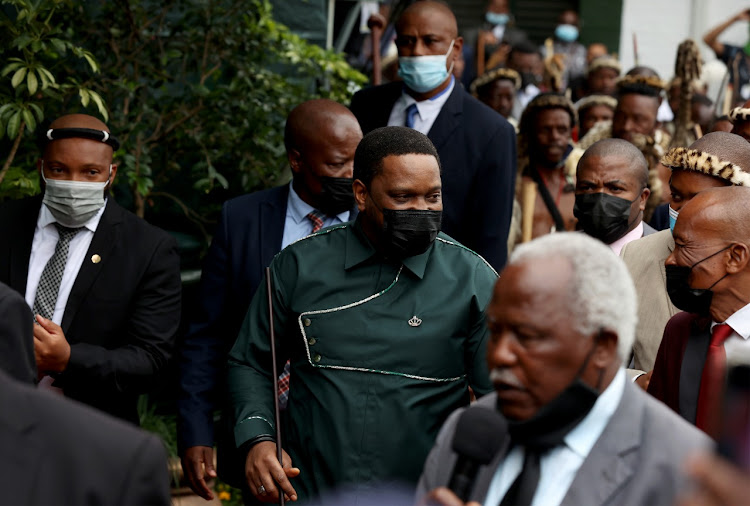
(711, 393)
(317, 220)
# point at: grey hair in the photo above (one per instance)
(602, 294)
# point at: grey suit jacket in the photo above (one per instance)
(645, 261)
(637, 459)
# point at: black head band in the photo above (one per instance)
(54, 134)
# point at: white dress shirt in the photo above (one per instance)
(737, 346)
(297, 225)
(42, 249)
(631, 236)
(559, 466)
(427, 110)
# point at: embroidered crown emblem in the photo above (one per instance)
(414, 321)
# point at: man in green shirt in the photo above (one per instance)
(383, 322)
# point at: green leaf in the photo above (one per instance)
(29, 120)
(85, 96)
(59, 45)
(10, 68)
(92, 62)
(18, 77)
(38, 111)
(14, 123)
(5, 109)
(32, 83)
(99, 104)
(47, 73)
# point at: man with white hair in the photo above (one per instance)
(562, 322)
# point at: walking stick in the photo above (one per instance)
(275, 372)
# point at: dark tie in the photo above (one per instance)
(711, 393)
(522, 491)
(49, 283)
(316, 217)
(411, 111)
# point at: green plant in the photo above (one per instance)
(42, 70)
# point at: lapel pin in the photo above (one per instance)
(414, 321)
(96, 258)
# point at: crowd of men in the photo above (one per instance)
(443, 306)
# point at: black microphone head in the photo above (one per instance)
(480, 432)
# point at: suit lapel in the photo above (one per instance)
(692, 368)
(102, 244)
(448, 119)
(272, 218)
(20, 248)
(612, 460)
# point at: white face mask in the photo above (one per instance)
(73, 203)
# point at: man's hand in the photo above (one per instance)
(644, 379)
(262, 468)
(719, 483)
(51, 349)
(445, 497)
(197, 463)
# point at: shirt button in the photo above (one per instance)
(307, 322)
(316, 358)
(311, 341)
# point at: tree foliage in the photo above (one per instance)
(196, 90)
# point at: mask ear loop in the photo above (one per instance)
(450, 69)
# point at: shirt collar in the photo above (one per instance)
(583, 437)
(46, 218)
(359, 249)
(298, 209)
(435, 102)
(740, 322)
(634, 234)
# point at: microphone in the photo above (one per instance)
(480, 432)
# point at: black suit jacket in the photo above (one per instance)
(56, 451)
(477, 149)
(123, 312)
(16, 337)
(248, 236)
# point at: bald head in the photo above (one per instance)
(79, 121)
(722, 211)
(619, 149)
(438, 15)
(311, 120)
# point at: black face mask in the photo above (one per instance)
(407, 232)
(528, 78)
(336, 196)
(552, 422)
(691, 300)
(603, 216)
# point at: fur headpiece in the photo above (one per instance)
(494, 75)
(706, 163)
(593, 100)
(739, 114)
(604, 62)
(637, 81)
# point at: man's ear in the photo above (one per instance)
(739, 257)
(458, 46)
(360, 194)
(645, 194)
(606, 349)
(112, 176)
(295, 160)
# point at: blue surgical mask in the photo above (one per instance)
(566, 33)
(495, 18)
(672, 218)
(424, 73)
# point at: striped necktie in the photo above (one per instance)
(45, 298)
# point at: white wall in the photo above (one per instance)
(661, 25)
